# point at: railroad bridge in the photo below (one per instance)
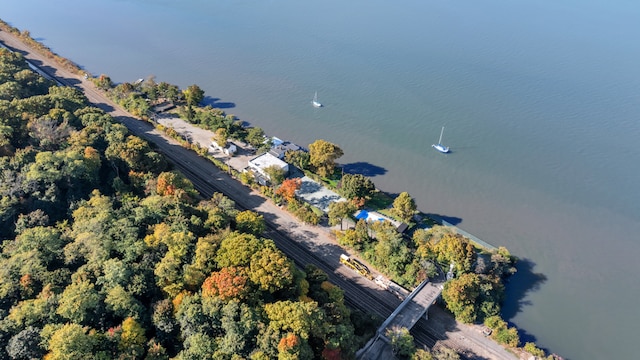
(406, 315)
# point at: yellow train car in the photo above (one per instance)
(355, 265)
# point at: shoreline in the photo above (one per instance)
(441, 220)
(70, 65)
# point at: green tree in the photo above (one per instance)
(9, 90)
(532, 349)
(473, 297)
(191, 317)
(193, 95)
(250, 222)
(203, 261)
(445, 353)
(401, 341)
(92, 220)
(6, 133)
(80, 302)
(47, 242)
(508, 336)
(115, 272)
(71, 342)
(169, 91)
(356, 186)
(390, 251)
(298, 158)
(323, 156)
(340, 210)
(404, 206)
(460, 295)
(271, 270)
(237, 250)
(301, 318)
(123, 304)
(132, 339)
(454, 248)
(422, 354)
(221, 137)
(198, 346)
(240, 325)
(255, 136)
(276, 174)
(103, 82)
(350, 238)
(36, 312)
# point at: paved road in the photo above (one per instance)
(303, 243)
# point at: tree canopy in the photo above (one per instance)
(107, 253)
(404, 206)
(354, 186)
(323, 156)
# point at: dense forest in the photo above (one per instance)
(108, 254)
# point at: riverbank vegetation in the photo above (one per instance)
(108, 254)
(59, 182)
(473, 295)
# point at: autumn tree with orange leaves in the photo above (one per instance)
(291, 347)
(288, 188)
(228, 283)
(175, 184)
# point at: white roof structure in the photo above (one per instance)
(266, 160)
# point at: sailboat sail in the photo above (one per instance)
(439, 146)
(315, 101)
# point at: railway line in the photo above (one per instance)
(355, 295)
(207, 179)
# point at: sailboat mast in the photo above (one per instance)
(441, 131)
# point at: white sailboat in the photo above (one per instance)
(439, 146)
(315, 101)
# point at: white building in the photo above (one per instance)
(261, 162)
(230, 148)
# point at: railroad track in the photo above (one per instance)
(355, 295)
(207, 181)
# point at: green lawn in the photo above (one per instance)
(379, 201)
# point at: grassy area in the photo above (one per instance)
(379, 201)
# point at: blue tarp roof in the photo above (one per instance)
(363, 214)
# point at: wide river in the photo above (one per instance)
(540, 100)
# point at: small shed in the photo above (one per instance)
(230, 150)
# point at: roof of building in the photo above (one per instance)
(265, 160)
(281, 149)
(164, 106)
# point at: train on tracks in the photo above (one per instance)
(356, 265)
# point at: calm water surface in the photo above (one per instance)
(540, 99)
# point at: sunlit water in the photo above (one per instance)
(540, 99)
